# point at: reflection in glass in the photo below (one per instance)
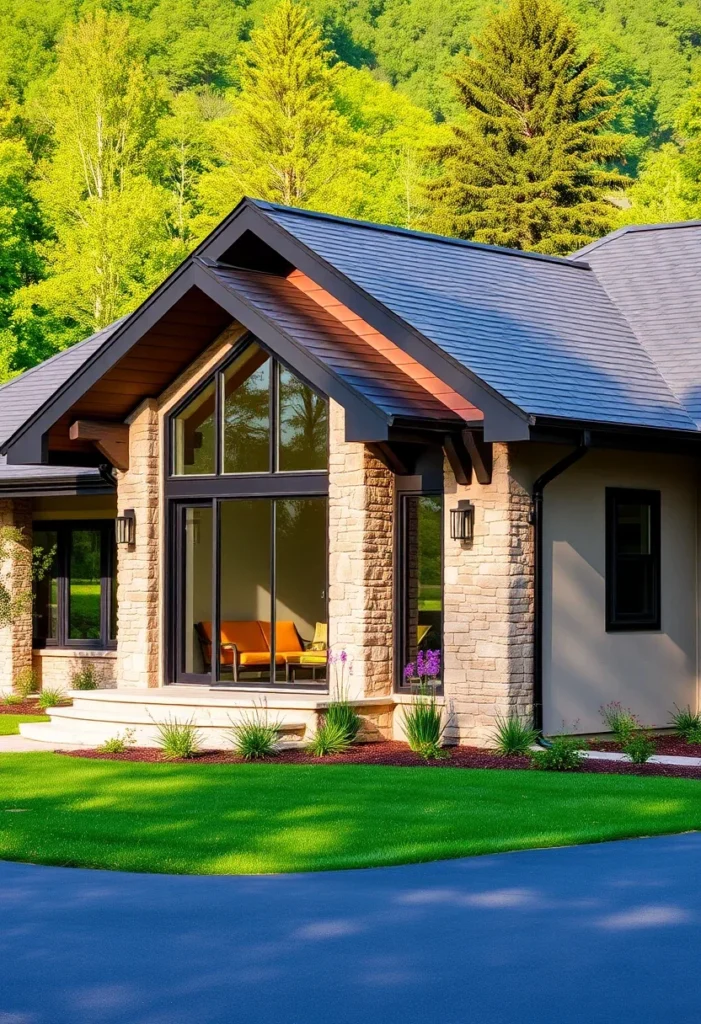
(46, 589)
(244, 589)
(246, 445)
(423, 592)
(113, 593)
(197, 603)
(300, 586)
(303, 425)
(84, 585)
(194, 440)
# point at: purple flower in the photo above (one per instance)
(433, 664)
(344, 656)
(409, 671)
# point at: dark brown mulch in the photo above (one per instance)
(27, 707)
(393, 754)
(664, 744)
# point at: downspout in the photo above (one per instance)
(105, 471)
(537, 522)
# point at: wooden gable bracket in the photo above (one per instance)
(111, 439)
(480, 455)
(458, 457)
(388, 455)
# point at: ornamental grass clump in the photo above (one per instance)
(86, 679)
(254, 736)
(686, 723)
(51, 697)
(329, 738)
(178, 739)
(341, 717)
(26, 683)
(513, 737)
(423, 720)
(620, 721)
(563, 755)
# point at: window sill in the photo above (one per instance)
(73, 652)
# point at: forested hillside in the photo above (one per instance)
(128, 128)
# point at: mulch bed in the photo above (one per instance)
(396, 755)
(27, 707)
(664, 744)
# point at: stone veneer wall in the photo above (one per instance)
(361, 506)
(138, 582)
(16, 638)
(56, 668)
(488, 605)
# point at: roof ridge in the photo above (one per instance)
(464, 243)
(629, 229)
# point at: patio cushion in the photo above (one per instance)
(287, 639)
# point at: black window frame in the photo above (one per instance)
(64, 529)
(210, 489)
(400, 570)
(616, 621)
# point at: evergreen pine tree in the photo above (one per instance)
(281, 140)
(530, 167)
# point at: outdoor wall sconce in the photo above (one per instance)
(126, 527)
(462, 521)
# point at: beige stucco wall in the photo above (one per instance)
(488, 598)
(584, 666)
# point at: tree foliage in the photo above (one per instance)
(530, 168)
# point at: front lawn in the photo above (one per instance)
(249, 818)
(9, 724)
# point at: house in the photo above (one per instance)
(321, 434)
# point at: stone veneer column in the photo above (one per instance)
(488, 595)
(361, 503)
(138, 581)
(16, 638)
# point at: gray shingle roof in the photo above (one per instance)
(540, 330)
(352, 360)
(24, 395)
(653, 274)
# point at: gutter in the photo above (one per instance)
(537, 522)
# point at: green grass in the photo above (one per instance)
(219, 819)
(9, 724)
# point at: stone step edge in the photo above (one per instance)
(63, 714)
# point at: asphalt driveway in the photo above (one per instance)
(586, 934)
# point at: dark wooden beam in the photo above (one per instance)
(458, 456)
(110, 439)
(389, 457)
(480, 455)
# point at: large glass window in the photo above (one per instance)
(420, 575)
(197, 589)
(258, 415)
(632, 560)
(75, 601)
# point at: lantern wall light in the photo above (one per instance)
(462, 522)
(126, 527)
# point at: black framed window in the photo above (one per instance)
(420, 577)
(75, 602)
(253, 416)
(633, 591)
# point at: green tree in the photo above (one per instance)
(529, 168)
(284, 139)
(662, 192)
(114, 237)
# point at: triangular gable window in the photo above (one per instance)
(253, 416)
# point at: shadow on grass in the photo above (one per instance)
(221, 819)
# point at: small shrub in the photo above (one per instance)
(51, 697)
(563, 755)
(86, 679)
(685, 722)
(178, 739)
(424, 726)
(10, 699)
(342, 714)
(621, 721)
(330, 738)
(254, 736)
(694, 736)
(640, 747)
(119, 743)
(513, 736)
(26, 683)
